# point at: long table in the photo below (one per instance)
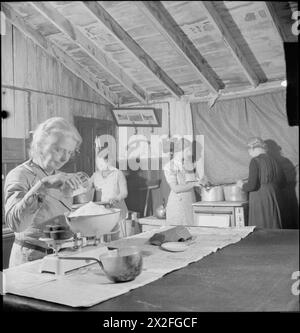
(255, 274)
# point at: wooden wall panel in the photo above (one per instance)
(13, 149)
(15, 102)
(19, 59)
(21, 113)
(37, 87)
(8, 104)
(7, 60)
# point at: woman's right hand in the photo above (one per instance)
(239, 183)
(63, 181)
(195, 183)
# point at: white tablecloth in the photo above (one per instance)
(88, 286)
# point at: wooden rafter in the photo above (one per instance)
(168, 27)
(270, 10)
(216, 20)
(113, 27)
(263, 88)
(14, 18)
(79, 38)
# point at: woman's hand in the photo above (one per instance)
(197, 183)
(240, 183)
(204, 182)
(63, 181)
(113, 201)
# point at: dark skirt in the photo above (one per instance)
(264, 207)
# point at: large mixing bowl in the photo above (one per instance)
(95, 225)
(234, 193)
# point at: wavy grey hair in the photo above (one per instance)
(53, 126)
(256, 142)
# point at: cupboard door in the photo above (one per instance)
(88, 128)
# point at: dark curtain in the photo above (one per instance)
(228, 125)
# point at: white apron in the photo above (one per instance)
(179, 207)
(109, 187)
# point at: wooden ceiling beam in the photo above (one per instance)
(214, 17)
(114, 28)
(263, 88)
(93, 51)
(50, 48)
(270, 11)
(168, 27)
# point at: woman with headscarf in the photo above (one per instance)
(265, 182)
(36, 191)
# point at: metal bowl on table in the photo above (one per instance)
(120, 265)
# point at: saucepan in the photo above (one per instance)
(212, 193)
(232, 192)
(221, 192)
(120, 265)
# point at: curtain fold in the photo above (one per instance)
(180, 117)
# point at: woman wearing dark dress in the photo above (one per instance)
(266, 179)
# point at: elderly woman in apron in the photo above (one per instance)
(181, 176)
(36, 191)
(110, 185)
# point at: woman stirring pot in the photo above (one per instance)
(181, 177)
(36, 191)
(266, 179)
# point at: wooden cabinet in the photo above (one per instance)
(221, 214)
(151, 222)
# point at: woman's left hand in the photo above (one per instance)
(240, 183)
(113, 201)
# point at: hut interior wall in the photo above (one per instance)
(35, 87)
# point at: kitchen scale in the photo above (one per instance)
(74, 246)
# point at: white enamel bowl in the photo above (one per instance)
(95, 225)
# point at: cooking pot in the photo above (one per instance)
(120, 265)
(212, 193)
(234, 193)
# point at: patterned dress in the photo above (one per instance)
(266, 179)
(179, 207)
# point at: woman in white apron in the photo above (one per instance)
(111, 183)
(182, 179)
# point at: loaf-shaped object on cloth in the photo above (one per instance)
(176, 234)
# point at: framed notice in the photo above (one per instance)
(136, 117)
